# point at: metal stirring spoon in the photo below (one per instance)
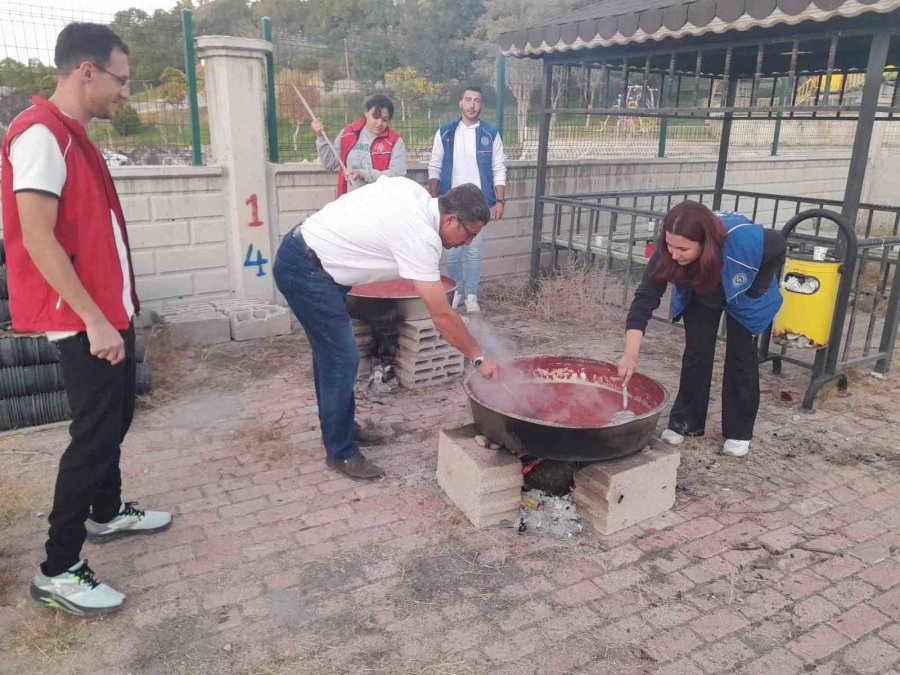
(624, 414)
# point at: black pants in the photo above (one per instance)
(89, 483)
(740, 388)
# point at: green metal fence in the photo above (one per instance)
(160, 124)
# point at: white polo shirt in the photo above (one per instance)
(385, 230)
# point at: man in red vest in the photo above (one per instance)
(70, 276)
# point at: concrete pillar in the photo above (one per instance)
(235, 92)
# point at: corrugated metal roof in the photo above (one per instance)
(618, 22)
(607, 8)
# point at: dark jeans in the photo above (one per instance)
(740, 387)
(320, 306)
(89, 483)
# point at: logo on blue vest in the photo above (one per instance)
(484, 140)
(739, 279)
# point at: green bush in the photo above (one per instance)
(126, 122)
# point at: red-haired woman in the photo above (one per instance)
(716, 261)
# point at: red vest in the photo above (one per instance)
(382, 147)
(83, 229)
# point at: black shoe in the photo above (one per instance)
(365, 436)
(357, 467)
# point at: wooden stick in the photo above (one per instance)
(324, 135)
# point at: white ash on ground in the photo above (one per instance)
(548, 515)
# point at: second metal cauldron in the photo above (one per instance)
(572, 441)
(397, 297)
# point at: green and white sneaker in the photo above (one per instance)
(77, 591)
(130, 521)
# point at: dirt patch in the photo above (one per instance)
(225, 367)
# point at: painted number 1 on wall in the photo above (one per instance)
(253, 202)
(259, 262)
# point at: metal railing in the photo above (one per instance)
(614, 228)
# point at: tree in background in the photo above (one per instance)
(523, 76)
(155, 42)
(225, 17)
(126, 121)
(31, 79)
(409, 85)
(434, 38)
(173, 91)
(287, 102)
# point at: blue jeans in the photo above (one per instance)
(318, 301)
(468, 271)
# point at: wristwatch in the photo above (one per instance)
(478, 361)
(501, 201)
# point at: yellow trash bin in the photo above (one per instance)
(809, 288)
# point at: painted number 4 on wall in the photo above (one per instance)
(259, 262)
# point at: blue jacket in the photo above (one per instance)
(484, 135)
(741, 259)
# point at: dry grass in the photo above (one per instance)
(20, 495)
(576, 294)
(50, 637)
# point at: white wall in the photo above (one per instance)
(178, 233)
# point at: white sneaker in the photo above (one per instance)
(734, 448)
(130, 521)
(77, 591)
(472, 304)
(671, 437)
(457, 300)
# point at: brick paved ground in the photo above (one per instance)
(785, 562)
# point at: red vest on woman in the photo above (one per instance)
(83, 229)
(382, 147)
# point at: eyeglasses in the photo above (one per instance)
(470, 236)
(123, 81)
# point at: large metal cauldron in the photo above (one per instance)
(394, 298)
(571, 441)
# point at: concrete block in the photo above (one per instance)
(212, 281)
(135, 209)
(184, 330)
(618, 493)
(158, 234)
(425, 358)
(207, 231)
(189, 309)
(486, 485)
(437, 371)
(179, 207)
(230, 304)
(422, 331)
(142, 263)
(259, 322)
(191, 258)
(170, 287)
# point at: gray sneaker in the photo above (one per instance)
(129, 522)
(76, 591)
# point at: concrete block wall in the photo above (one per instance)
(299, 190)
(180, 242)
(176, 229)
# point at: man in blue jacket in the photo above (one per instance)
(468, 150)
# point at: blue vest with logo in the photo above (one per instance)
(484, 144)
(741, 257)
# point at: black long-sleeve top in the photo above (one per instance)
(649, 294)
